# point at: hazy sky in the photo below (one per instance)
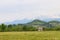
(28, 9)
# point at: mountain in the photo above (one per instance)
(41, 23)
(23, 21)
(36, 21)
(19, 21)
(54, 23)
(50, 19)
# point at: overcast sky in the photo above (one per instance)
(28, 9)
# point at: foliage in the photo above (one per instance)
(32, 26)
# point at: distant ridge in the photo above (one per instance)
(32, 21)
(36, 21)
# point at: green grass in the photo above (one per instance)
(44, 35)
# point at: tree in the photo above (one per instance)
(3, 27)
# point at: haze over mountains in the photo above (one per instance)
(23, 21)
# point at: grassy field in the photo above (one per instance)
(45, 35)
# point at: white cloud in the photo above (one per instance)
(7, 3)
(30, 9)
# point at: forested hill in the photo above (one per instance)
(43, 23)
(36, 21)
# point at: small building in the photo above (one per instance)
(40, 29)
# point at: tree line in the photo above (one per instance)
(16, 27)
(22, 27)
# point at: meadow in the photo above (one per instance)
(43, 35)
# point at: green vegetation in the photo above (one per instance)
(44, 35)
(31, 26)
(28, 31)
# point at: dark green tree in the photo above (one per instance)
(3, 27)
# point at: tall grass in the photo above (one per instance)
(45, 35)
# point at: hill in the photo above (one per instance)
(36, 21)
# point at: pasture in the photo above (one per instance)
(44, 35)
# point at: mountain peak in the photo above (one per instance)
(36, 21)
(54, 21)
